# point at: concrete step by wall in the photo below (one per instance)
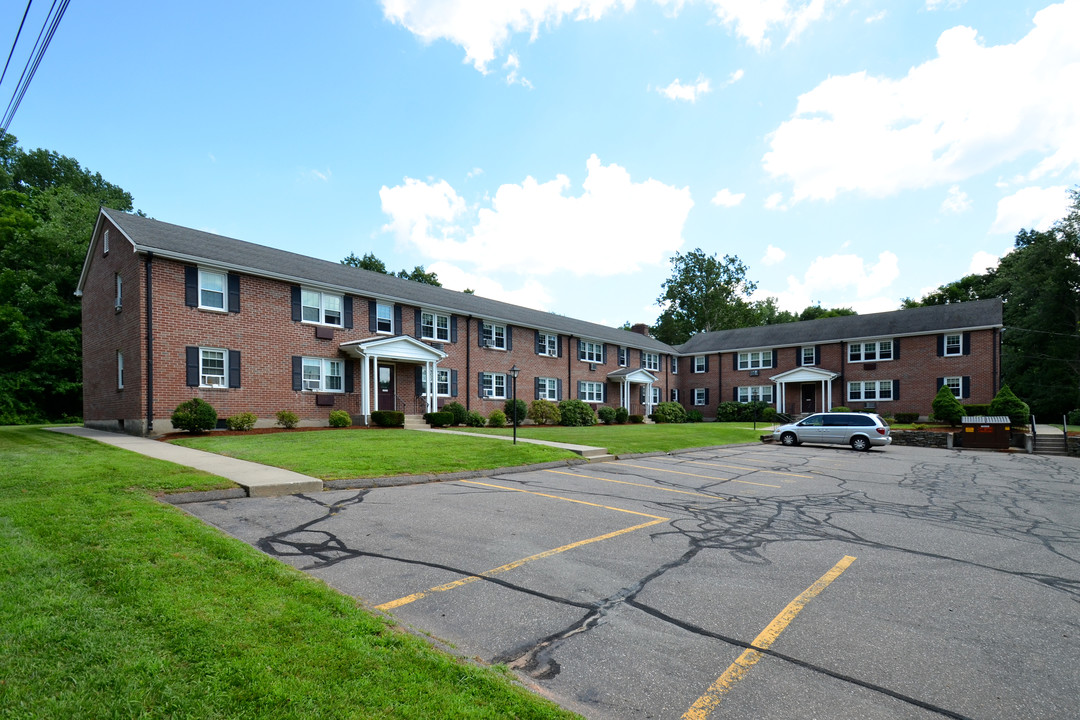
(1050, 445)
(415, 422)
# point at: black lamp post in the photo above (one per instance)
(513, 377)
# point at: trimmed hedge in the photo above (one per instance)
(497, 419)
(287, 419)
(521, 410)
(606, 415)
(906, 418)
(242, 421)
(195, 416)
(622, 415)
(576, 413)
(458, 410)
(543, 412)
(694, 416)
(340, 419)
(388, 418)
(439, 419)
(669, 412)
(475, 419)
(637, 419)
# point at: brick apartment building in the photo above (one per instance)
(170, 313)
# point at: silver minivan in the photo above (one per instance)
(859, 430)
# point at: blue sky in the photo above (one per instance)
(556, 153)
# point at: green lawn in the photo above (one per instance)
(347, 454)
(623, 439)
(113, 605)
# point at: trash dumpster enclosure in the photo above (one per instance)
(986, 432)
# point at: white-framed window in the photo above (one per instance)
(956, 384)
(549, 345)
(212, 363)
(699, 396)
(657, 398)
(699, 364)
(591, 352)
(547, 389)
(870, 351)
(119, 370)
(324, 374)
(442, 381)
(809, 355)
(384, 318)
(674, 394)
(624, 356)
(211, 290)
(119, 292)
(320, 307)
(954, 344)
(434, 326)
(651, 360)
(755, 393)
(870, 390)
(494, 385)
(494, 336)
(674, 365)
(105, 243)
(755, 360)
(591, 391)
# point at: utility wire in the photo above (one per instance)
(48, 29)
(17, 34)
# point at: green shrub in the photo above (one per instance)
(512, 408)
(694, 416)
(768, 414)
(727, 411)
(195, 416)
(980, 409)
(1006, 403)
(475, 419)
(669, 412)
(287, 419)
(841, 408)
(906, 418)
(388, 418)
(544, 412)
(606, 415)
(1074, 417)
(439, 419)
(241, 421)
(340, 419)
(497, 419)
(946, 407)
(637, 419)
(622, 415)
(457, 410)
(576, 413)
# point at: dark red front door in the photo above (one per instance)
(386, 387)
(808, 398)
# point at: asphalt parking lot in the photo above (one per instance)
(749, 581)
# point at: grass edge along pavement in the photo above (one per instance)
(115, 605)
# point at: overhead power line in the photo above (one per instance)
(45, 36)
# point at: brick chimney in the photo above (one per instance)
(640, 329)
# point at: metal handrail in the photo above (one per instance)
(1034, 432)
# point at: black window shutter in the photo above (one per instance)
(480, 335)
(349, 387)
(558, 390)
(940, 382)
(234, 368)
(672, 394)
(347, 319)
(191, 286)
(417, 331)
(965, 387)
(372, 313)
(233, 282)
(967, 345)
(734, 394)
(817, 352)
(538, 348)
(419, 381)
(895, 389)
(536, 388)
(641, 394)
(509, 338)
(192, 365)
(453, 328)
(297, 373)
(642, 358)
(706, 396)
(558, 345)
(798, 356)
(453, 383)
(940, 345)
(603, 353)
(397, 319)
(296, 312)
(580, 393)
(896, 349)
(480, 384)
(603, 392)
(734, 362)
(579, 349)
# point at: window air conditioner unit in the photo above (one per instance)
(213, 380)
(755, 373)
(592, 366)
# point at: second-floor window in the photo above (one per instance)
(591, 352)
(674, 365)
(954, 344)
(755, 360)
(211, 290)
(870, 351)
(651, 361)
(809, 355)
(624, 356)
(320, 307)
(700, 365)
(548, 345)
(434, 326)
(494, 336)
(384, 318)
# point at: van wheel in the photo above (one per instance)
(860, 443)
(789, 439)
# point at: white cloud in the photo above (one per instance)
(735, 77)
(512, 78)
(981, 262)
(475, 172)
(876, 17)
(968, 110)
(678, 91)
(614, 226)
(316, 175)
(482, 29)
(956, 201)
(773, 255)
(726, 198)
(531, 294)
(775, 202)
(947, 4)
(831, 281)
(1033, 208)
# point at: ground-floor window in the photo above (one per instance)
(547, 389)
(755, 393)
(442, 381)
(591, 391)
(493, 385)
(212, 367)
(870, 390)
(701, 396)
(324, 374)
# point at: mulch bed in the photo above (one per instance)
(264, 431)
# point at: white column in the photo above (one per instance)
(828, 403)
(365, 389)
(648, 399)
(430, 387)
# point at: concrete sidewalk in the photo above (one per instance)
(258, 480)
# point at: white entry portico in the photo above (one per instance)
(627, 377)
(400, 348)
(804, 376)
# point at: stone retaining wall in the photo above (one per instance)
(920, 438)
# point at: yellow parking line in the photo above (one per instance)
(707, 477)
(735, 672)
(624, 482)
(539, 556)
(752, 469)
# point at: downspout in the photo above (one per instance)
(569, 382)
(994, 356)
(468, 363)
(149, 343)
(843, 365)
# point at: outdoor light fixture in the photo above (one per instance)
(513, 377)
